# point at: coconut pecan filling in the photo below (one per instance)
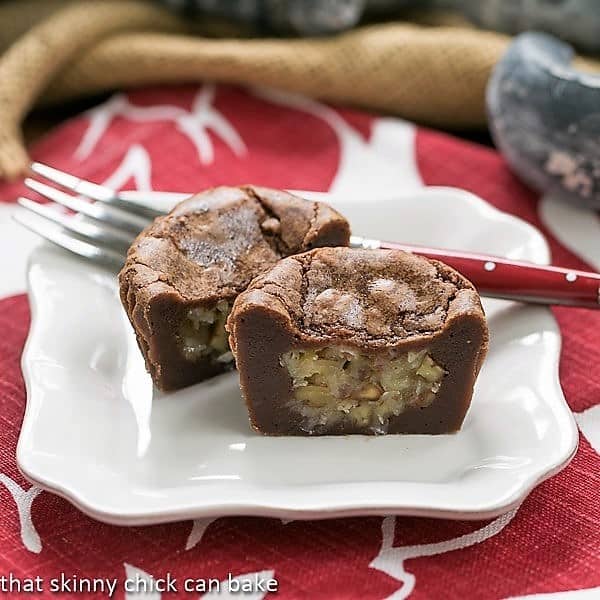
(202, 333)
(332, 384)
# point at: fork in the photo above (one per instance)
(111, 222)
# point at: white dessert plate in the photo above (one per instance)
(96, 431)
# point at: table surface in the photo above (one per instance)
(189, 137)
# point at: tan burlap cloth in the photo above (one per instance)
(432, 72)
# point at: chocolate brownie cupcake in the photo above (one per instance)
(340, 340)
(184, 271)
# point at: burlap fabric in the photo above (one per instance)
(431, 72)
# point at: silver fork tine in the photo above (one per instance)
(120, 219)
(115, 238)
(91, 190)
(102, 256)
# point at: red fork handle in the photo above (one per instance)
(517, 280)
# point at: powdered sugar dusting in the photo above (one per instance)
(234, 233)
(331, 306)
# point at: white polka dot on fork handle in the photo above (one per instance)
(489, 265)
(571, 277)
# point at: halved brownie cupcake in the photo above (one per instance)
(184, 271)
(339, 340)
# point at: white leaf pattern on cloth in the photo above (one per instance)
(199, 527)
(24, 499)
(204, 117)
(194, 124)
(135, 165)
(390, 559)
(389, 157)
(589, 424)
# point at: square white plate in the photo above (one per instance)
(96, 432)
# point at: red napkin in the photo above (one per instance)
(189, 138)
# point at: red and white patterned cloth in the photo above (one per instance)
(189, 138)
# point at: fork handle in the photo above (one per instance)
(517, 280)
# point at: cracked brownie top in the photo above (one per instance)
(373, 296)
(212, 245)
